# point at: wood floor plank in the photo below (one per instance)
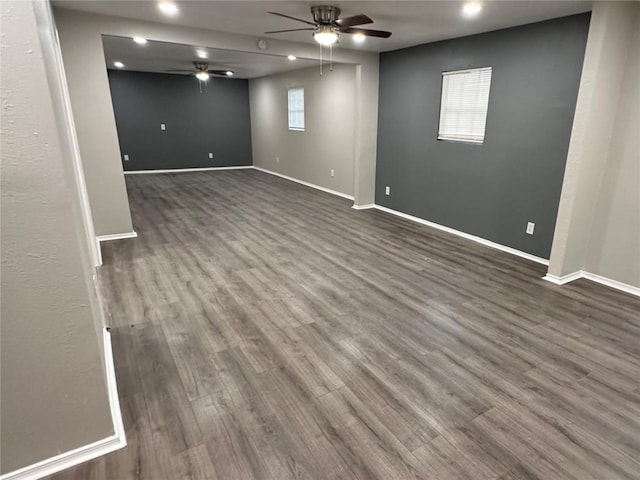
(264, 330)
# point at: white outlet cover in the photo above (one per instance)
(333, 173)
(277, 159)
(530, 227)
(210, 155)
(387, 190)
(163, 126)
(126, 158)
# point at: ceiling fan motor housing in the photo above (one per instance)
(201, 66)
(325, 14)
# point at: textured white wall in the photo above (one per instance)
(53, 386)
(328, 140)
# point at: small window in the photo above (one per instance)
(463, 109)
(296, 109)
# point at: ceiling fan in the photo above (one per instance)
(201, 71)
(327, 25)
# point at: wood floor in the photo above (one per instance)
(265, 330)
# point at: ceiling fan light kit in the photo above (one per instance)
(325, 36)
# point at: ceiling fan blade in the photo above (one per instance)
(367, 32)
(290, 30)
(179, 71)
(355, 20)
(219, 72)
(293, 18)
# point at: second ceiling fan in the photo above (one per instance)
(327, 25)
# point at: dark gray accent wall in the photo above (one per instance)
(196, 123)
(490, 190)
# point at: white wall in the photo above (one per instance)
(599, 208)
(614, 248)
(328, 140)
(80, 35)
(53, 383)
(86, 75)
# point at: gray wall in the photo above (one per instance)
(490, 190)
(53, 383)
(328, 140)
(196, 123)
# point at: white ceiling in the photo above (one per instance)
(412, 22)
(162, 56)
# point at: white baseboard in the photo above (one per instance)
(312, 185)
(116, 236)
(87, 452)
(563, 279)
(185, 170)
(363, 207)
(608, 282)
(612, 283)
(468, 236)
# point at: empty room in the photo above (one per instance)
(360, 240)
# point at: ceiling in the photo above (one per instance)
(162, 56)
(412, 22)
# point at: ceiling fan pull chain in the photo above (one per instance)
(331, 58)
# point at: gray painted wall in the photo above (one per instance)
(53, 382)
(490, 190)
(328, 140)
(196, 123)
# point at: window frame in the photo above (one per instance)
(458, 139)
(290, 110)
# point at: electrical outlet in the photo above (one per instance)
(277, 159)
(126, 158)
(387, 190)
(210, 155)
(163, 126)
(530, 227)
(333, 172)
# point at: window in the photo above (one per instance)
(463, 109)
(296, 109)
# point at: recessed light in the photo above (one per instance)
(291, 57)
(168, 8)
(359, 37)
(229, 73)
(202, 54)
(140, 40)
(118, 64)
(471, 9)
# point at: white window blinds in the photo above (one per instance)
(463, 109)
(296, 109)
